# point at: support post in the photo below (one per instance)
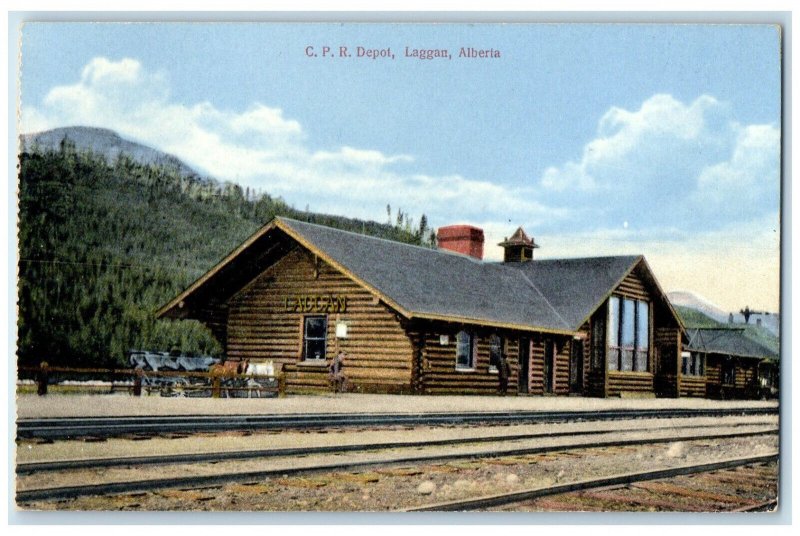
(137, 381)
(42, 378)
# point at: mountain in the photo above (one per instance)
(104, 242)
(698, 303)
(768, 320)
(692, 318)
(106, 143)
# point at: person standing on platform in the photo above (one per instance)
(337, 376)
(503, 372)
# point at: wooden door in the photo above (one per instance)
(524, 365)
(549, 366)
(576, 367)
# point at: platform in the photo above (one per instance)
(32, 406)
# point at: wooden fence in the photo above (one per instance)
(219, 383)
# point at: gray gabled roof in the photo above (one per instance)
(728, 341)
(430, 282)
(556, 295)
(575, 287)
(419, 282)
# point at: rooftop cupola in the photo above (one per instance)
(518, 248)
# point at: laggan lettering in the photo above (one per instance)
(316, 303)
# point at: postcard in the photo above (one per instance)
(399, 267)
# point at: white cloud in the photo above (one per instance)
(262, 148)
(689, 181)
(671, 163)
(735, 266)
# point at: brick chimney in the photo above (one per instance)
(464, 239)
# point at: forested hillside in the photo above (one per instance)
(103, 245)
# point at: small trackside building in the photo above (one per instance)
(438, 321)
(724, 363)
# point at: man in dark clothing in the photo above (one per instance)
(503, 372)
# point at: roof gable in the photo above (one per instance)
(577, 287)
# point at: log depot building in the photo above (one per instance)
(437, 321)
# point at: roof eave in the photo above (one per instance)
(491, 323)
(203, 279)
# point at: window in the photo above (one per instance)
(465, 354)
(628, 334)
(642, 336)
(693, 364)
(315, 331)
(495, 352)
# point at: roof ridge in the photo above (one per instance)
(378, 238)
(555, 259)
(550, 305)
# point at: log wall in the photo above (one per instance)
(438, 372)
(638, 384)
(260, 328)
(537, 378)
(746, 378)
(693, 386)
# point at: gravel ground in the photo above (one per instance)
(37, 451)
(134, 473)
(29, 406)
(398, 488)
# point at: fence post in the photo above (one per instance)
(42, 378)
(215, 385)
(137, 381)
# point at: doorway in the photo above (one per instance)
(524, 363)
(576, 367)
(549, 366)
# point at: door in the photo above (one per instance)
(549, 366)
(524, 362)
(576, 367)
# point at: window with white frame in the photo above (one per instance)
(315, 331)
(628, 334)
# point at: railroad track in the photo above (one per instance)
(210, 480)
(70, 427)
(199, 457)
(504, 499)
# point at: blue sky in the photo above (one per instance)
(598, 139)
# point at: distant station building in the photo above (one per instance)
(412, 319)
(725, 363)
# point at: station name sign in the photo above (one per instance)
(317, 303)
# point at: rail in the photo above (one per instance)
(213, 480)
(65, 427)
(490, 501)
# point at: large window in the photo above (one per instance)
(315, 333)
(628, 334)
(693, 364)
(465, 350)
